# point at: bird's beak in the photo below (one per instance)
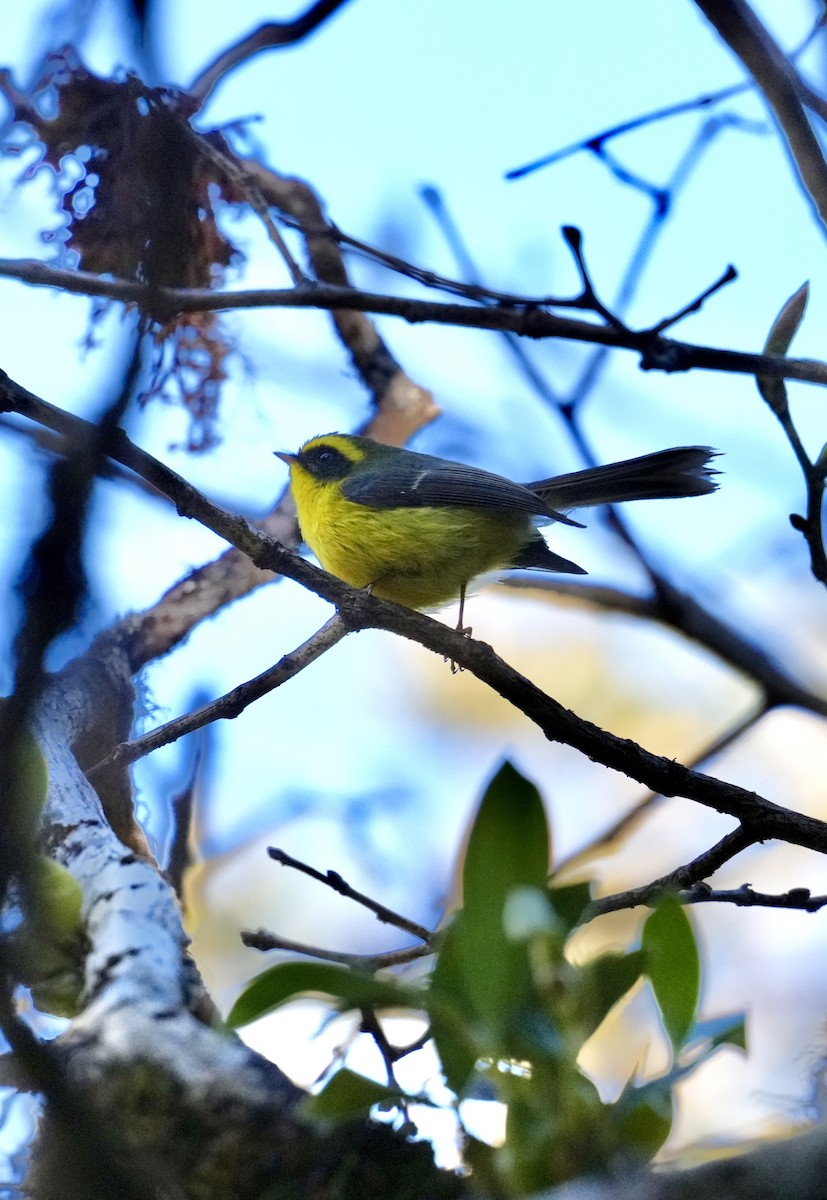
(285, 457)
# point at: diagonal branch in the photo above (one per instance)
(270, 36)
(682, 877)
(334, 880)
(358, 610)
(225, 707)
(778, 79)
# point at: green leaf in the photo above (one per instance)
(54, 902)
(509, 843)
(784, 328)
(348, 1095)
(508, 848)
(603, 982)
(482, 1161)
(348, 989)
(673, 967)
(644, 1117)
(451, 1008)
(570, 902)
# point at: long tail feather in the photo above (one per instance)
(684, 471)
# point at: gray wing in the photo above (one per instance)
(422, 481)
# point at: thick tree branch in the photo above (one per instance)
(145, 1053)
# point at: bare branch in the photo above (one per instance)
(226, 707)
(526, 319)
(401, 406)
(682, 877)
(679, 611)
(261, 939)
(270, 36)
(623, 826)
(230, 166)
(465, 263)
(745, 896)
(588, 296)
(778, 79)
(729, 275)
(596, 142)
(333, 879)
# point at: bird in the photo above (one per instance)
(419, 530)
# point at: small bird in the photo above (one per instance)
(418, 530)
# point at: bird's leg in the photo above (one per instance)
(465, 630)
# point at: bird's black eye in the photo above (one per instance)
(327, 463)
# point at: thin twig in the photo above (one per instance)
(262, 939)
(228, 706)
(467, 267)
(400, 405)
(596, 142)
(270, 36)
(602, 842)
(746, 897)
(589, 298)
(229, 165)
(334, 880)
(469, 289)
(597, 360)
(729, 275)
(641, 255)
(682, 877)
(810, 525)
(676, 609)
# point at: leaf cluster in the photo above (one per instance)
(509, 1013)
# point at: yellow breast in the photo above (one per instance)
(420, 557)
